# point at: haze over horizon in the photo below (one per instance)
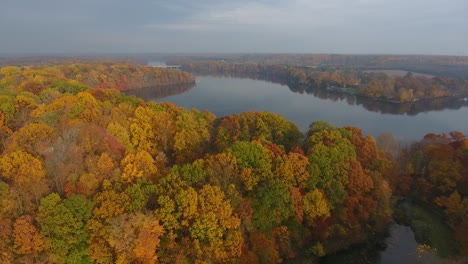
(432, 27)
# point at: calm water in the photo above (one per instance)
(225, 96)
(401, 248)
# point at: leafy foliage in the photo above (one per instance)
(89, 175)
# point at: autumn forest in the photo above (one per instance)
(91, 175)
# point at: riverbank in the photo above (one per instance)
(429, 227)
(355, 91)
(364, 252)
(377, 86)
(418, 235)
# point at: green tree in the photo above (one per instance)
(63, 223)
(254, 162)
(272, 205)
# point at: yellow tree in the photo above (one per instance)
(293, 168)
(137, 165)
(31, 138)
(7, 107)
(108, 205)
(166, 129)
(25, 104)
(142, 134)
(192, 135)
(5, 131)
(91, 112)
(99, 167)
(105, 165)
(11, 76)
(120, 133)
(27, 175)
(222, 169)
(216, 229)
(315, 205)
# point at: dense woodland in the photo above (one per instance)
(76, 76)
(89, 175)
(408, 88)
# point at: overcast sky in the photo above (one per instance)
(277, 26)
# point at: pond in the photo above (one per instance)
(224, 96)
(400, 247)
(418, 235)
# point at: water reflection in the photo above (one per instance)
(401, 246)
(410, 108)
(153, 93)
(384, 107)
(225, 96)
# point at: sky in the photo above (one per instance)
(235, 26)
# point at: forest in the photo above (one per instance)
(90, 175)
(375, 85)
(73, 76)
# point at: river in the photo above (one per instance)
(224, 96)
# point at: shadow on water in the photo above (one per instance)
(410, 108)
(157, 92)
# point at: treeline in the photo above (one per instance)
(450, 66)
(98, 177)
(75, 76)
(407, 108)
(410, 87)
(435, 173)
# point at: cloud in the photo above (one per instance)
(179, 26)
(337, 26)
